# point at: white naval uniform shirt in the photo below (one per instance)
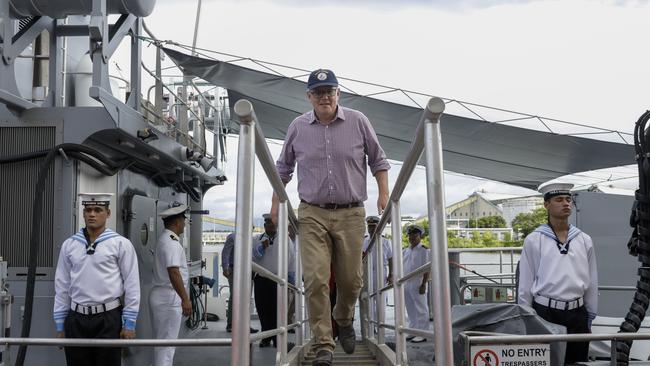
(387, 251)
(106, 275)
(544, 271)
(169, 253)
(414, 258)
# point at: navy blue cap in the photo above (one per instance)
(322, 77)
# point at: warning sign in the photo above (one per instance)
(511, 355)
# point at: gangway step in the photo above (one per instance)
(361, 357)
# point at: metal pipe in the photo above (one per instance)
(379, 281)
(268, 274)
(283, 271)
(418, 271)
(438, 233)
(398, 292)
(95, 342)
(300, 336)
(419, 332)
(243, 224)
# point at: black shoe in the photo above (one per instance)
(347, 338)
(292, 331)
(229, 328)
(323, 358)
(265, 343)
(253, 330)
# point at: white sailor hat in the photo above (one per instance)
(372, 219)
(176, 209)
(414, 228)
(555, 189)
(95, 199)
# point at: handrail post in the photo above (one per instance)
(240, 354)
(365, 312)
(438, 233)
(282, 288)
(298, 296)
(398, 288)
(379, 283)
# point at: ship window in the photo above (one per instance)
(144, 234)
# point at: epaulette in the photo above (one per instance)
(173, 237)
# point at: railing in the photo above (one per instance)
(427, 139)
(251, 143)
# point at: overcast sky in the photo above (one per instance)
(580, 61)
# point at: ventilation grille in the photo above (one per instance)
(17, 192)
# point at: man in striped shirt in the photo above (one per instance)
(332, 145)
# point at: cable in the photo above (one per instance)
(195, 318)
(639, 243)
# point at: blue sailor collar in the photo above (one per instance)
(107, 234)
(546, 230)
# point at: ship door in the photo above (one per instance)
(142, 230)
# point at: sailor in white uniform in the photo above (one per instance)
(415, 289)
(169, 299)
(96, 267)
(387, 248)
(557, 271)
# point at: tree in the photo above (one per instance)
(488, 222)
(527, 222)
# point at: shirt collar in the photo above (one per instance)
(339, 115)
(172, 234)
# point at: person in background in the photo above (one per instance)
(387, 249)
(266, 253)
(415, 289)
(227, 264)
(169, 300)
(557, 271)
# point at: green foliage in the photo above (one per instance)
(487, 222)
(527, 222)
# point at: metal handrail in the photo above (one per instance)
(252, 143)
(428, 130)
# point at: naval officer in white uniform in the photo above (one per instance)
(96, 267)
(371, 224)
(415, 289)
(169, 300)
(557, 271)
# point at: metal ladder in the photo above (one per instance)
(362, 356)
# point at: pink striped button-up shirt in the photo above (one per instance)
(331, 158)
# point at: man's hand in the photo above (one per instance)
(227, 272)
(127, 334)
(382, 202)
(423, 289)
(186, 305)
(265, 243)
(389, 279)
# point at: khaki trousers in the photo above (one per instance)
(336, 237)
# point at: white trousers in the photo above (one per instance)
(416, 306)
(166, 315)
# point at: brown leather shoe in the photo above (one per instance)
(347, 338)
(323, 358)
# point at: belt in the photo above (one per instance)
(95, 309)
(334, 206)
(559, 304)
